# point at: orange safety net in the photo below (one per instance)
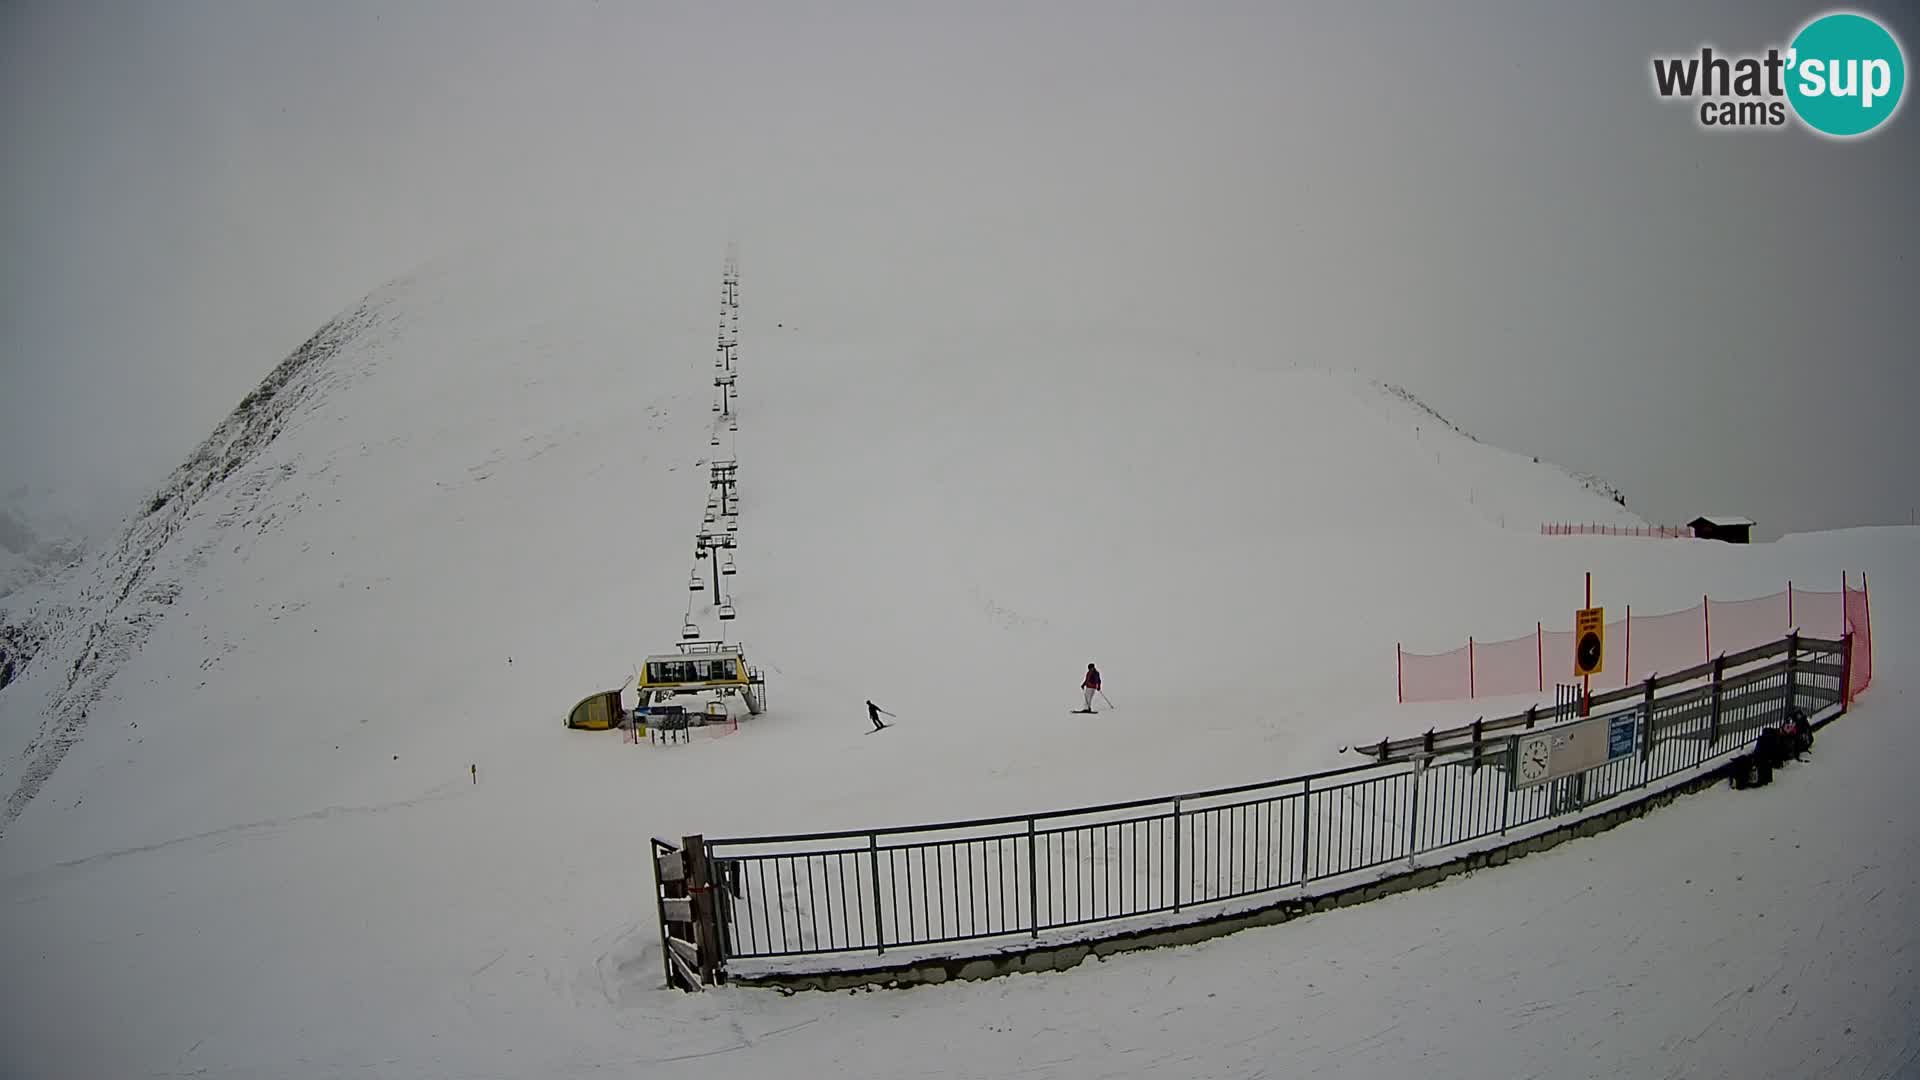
(1641, 646)
(1821, 614)
(1508, 667)
(1665, 532)
(1737, 625)
(1440, 677)
(1859, 616)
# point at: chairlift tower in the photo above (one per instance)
(723, 477)
(709, 545)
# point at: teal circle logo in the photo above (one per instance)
(1846, 74)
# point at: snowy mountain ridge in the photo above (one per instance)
(131, 586)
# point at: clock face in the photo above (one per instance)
(1534, 755)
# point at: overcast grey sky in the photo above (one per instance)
(1483, 201)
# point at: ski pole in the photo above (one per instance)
(1109, 701)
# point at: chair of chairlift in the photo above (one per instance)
(694, 584)
(689, 631)
(726, 612)
(727, 568)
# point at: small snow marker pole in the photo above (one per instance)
(475, 769)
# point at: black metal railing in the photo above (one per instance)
(892, 888)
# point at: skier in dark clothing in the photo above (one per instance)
(874, 712)
(1090, 686)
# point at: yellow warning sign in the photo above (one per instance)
(1590, 641)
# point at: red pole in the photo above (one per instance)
(1866, 602)
(1845, 626)
(1586, 681)
(1470, 681)
(1539, 656)
(1626, 669)
(1399, 680)
(1789, 603)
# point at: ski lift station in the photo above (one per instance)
(704, 667)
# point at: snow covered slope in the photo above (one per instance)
(240, 757)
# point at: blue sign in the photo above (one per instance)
(1620, 734)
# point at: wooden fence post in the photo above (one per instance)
(1713, 730)
(706, 928)
(1846, 671)
(670, 883)
(1793, 656)
(1646, 743)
